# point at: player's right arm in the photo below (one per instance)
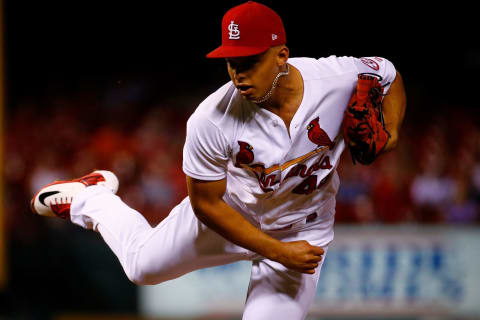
(209, 207)
(206, 155)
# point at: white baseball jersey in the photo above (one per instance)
(277, 177)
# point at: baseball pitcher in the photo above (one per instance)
(260, 160)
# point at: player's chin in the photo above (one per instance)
(248, 95)
(251, 97)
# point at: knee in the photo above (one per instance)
(146, 272)
(145, 275)
(142, 279)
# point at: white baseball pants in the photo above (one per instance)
(181, 244)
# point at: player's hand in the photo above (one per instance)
(300, 256)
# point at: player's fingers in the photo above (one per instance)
(317, 250)
(309, 266)
(309, 271)
(314, 259)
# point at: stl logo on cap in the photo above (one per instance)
(262, 28)
(233, 31)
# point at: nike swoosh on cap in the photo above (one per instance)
(42, 197)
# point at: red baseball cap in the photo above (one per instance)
(249, 29)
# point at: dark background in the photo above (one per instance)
(63, 43)
(74, 49)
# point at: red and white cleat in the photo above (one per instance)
(55, 199)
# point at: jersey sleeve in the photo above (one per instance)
(205, 153)
(379, 66)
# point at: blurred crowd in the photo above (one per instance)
(432, 177)
(129, 127)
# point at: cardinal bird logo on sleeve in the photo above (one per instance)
(245, 155)
(317, 135)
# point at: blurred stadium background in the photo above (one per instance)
(108, 85)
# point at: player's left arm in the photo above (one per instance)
(394, 105)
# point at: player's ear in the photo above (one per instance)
(282, 55)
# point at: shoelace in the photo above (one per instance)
(91, 179)
(62, 208)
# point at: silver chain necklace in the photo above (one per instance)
(274, 84)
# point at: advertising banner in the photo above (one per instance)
(371, 271)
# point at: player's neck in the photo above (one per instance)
(287, 96)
